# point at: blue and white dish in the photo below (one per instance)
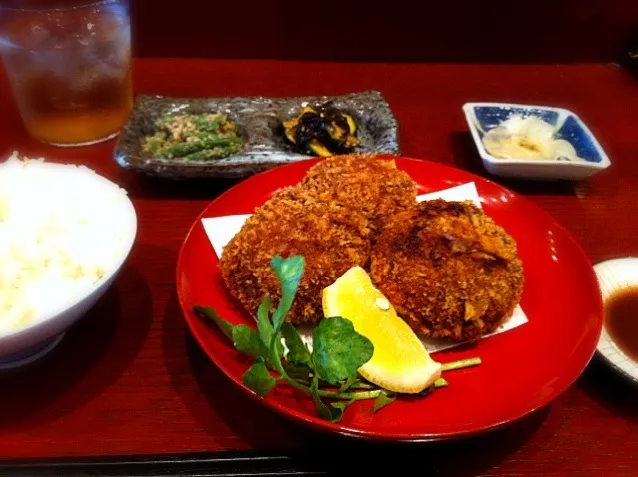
(482, 117)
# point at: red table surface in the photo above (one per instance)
(129, 379)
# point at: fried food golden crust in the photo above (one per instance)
(448, 269)
(330, 237)
(365, 184)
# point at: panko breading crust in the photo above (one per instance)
(330, 218)
(368, 185)
(448, 269)
(331, 238)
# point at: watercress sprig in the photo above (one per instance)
(338, 352)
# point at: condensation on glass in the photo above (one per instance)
(70, 68)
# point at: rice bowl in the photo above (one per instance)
(64, 233)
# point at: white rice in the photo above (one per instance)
(62, 230)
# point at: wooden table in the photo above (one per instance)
(128, 380)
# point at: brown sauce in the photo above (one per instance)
(621, 320)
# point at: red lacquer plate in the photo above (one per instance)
(523, 369)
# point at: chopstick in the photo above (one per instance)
(186, 465)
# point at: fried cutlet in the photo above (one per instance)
(332, 239)
(448, 269)
(366, 184)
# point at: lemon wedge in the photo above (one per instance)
(400, 363)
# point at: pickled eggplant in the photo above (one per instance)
(322, 130)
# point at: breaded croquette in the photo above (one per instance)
(448, 269)
(332, 239)
(330, 219)
(369, 185)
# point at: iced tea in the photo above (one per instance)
(70, 70)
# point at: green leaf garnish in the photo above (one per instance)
(247, 341)
(342, 405)
(264, 325)
(298, 354)
(349, 383)
(338, 350)
(329, 413)
(301, 375)
(258, 378)
(289, 272)
(210, 314)
(439, 383)
(384, 399)
(461, 364)
(273, 349)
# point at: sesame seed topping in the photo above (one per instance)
(383, 303)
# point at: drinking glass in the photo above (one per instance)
(70, 67)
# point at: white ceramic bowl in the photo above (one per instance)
(26, 344)
(481, 117)
(614, 275)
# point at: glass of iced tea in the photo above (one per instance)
(69, 64)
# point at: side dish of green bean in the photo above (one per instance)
(195, 137)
